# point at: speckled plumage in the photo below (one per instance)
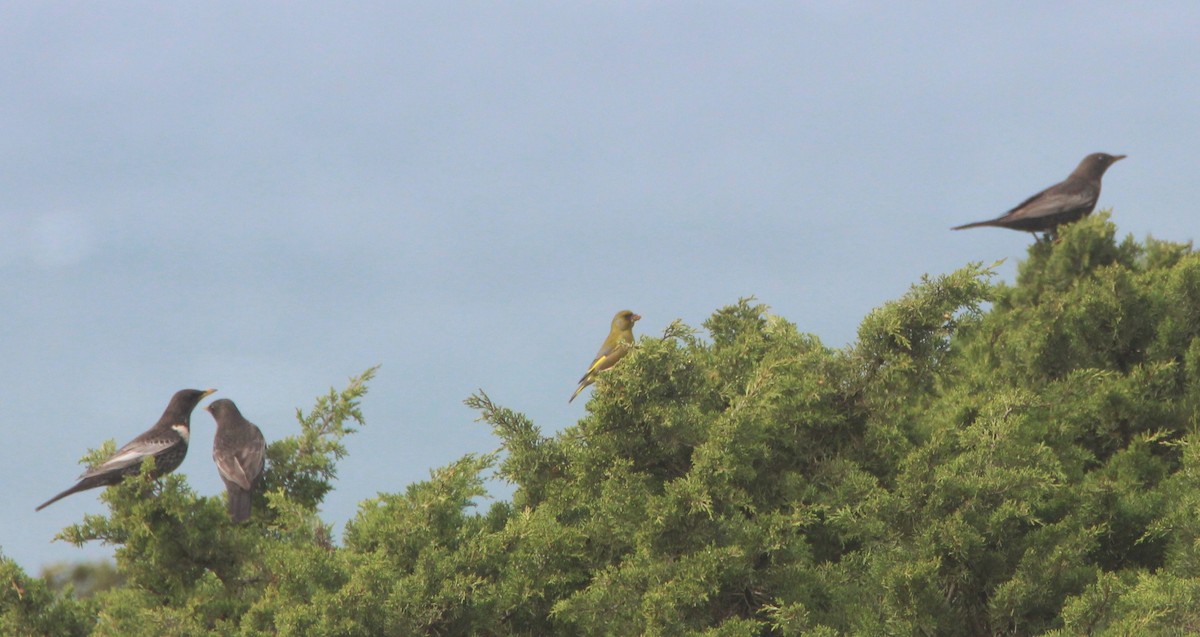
(166, 441)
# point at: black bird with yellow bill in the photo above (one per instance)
(166, 442)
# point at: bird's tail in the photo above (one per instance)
(239, 503)
(977, 224)
(583, 383)
(82, 485)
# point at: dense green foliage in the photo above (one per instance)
(84, 578)
(986, 459)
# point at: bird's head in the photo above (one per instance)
(219, 408)
(179, 410)
(185, 400)
(1095, 164)
(624, 320)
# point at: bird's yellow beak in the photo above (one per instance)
(635, 318)
(208, 392)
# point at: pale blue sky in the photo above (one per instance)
(268, 198)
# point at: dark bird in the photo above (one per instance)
(620, 339)
(240, 453)
(166, 441)
(1067, 201)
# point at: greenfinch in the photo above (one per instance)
(620, 339)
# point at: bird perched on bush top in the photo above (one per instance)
(620, 339)
(166, 441)
(240, 453)
(1064, 202)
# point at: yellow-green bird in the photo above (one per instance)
(620, 339)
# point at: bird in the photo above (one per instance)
(166, 442)
(240, 453)
(1067, 201)
(620, 339)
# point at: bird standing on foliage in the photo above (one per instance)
(1067, 201)
(240, 453)
(166, 442)
(620, 339)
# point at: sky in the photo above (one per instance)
(268, 198)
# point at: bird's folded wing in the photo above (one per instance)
(244, 464)
(231, 469)
(597, 364)
(607, 357)
(253, 458)
(133, 453)
(1051, 202)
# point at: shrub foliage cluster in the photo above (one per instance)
(986, 459)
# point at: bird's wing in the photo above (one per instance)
(253, 457)
(245, 463)
(1051, 201)
(612, 351)
(150, 443)
(231, 469)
